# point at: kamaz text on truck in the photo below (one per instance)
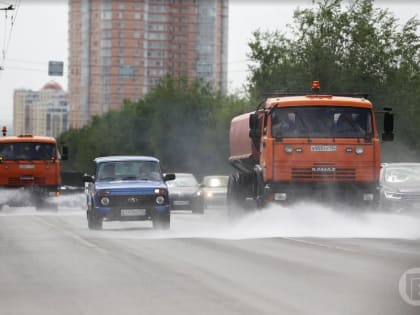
(308, 146)
(32, 164)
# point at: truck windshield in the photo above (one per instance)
(321, 122)
(27, 151)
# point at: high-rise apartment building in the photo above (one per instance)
(41, 113)
(121, 49)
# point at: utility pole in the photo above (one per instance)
(9, 8)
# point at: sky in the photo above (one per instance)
(39, 34)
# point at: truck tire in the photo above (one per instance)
(235, 204)
(93, 222)
(161, 221)
(198, 207)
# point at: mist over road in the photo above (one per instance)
(306, 260)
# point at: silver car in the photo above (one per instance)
(185, 193)
(214, 189)
(400, 186)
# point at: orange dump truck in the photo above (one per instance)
(308, 146)
(32, 164)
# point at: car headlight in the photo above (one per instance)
(160, 191)
(209, 194)
(104, 201)
(392, 195)
(160, 200)
(199, 193)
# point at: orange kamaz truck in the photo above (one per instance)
(314, 146)
(30, 164)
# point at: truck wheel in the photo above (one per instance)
(235, 206)
(93, 222)
(161, 221)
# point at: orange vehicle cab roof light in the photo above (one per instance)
(315, 86)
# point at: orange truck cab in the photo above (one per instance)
(308, 146)
(30, 163)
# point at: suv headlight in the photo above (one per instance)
(160, 200)
(104, 201)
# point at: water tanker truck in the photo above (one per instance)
(315, 146)
(30, 164)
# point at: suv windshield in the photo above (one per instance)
(128, 170)
(27, 151)
(321, 122)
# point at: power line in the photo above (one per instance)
(12, 20)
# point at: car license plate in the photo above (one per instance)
(132, 212)
(181, 202)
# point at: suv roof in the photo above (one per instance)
(125, 158)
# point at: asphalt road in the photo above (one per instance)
(307, 260)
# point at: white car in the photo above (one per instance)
(400, 186)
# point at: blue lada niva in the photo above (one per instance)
(127, 188)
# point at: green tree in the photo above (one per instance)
(349, 46)
(183, 123)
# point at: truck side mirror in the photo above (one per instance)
(64, 153)
(388, 134)
(254, 126)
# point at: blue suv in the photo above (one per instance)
(127, 188)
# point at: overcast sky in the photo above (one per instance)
(40, 35)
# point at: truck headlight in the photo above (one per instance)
(160, 200)
(368, 197)
(280, 196)
(359, 150)
(288, 149)
(105, 201)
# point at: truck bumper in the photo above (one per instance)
(352, 193)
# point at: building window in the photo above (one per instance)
(106, 15)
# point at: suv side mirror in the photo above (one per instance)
(87, 178)
(167, 177)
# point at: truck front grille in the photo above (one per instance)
(26, 181)
(324, 171)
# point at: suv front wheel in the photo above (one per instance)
(161, 221)
(93, 222)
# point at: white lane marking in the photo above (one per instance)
(335, 247)
(73, 236)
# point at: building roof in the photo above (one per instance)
(52, 85)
